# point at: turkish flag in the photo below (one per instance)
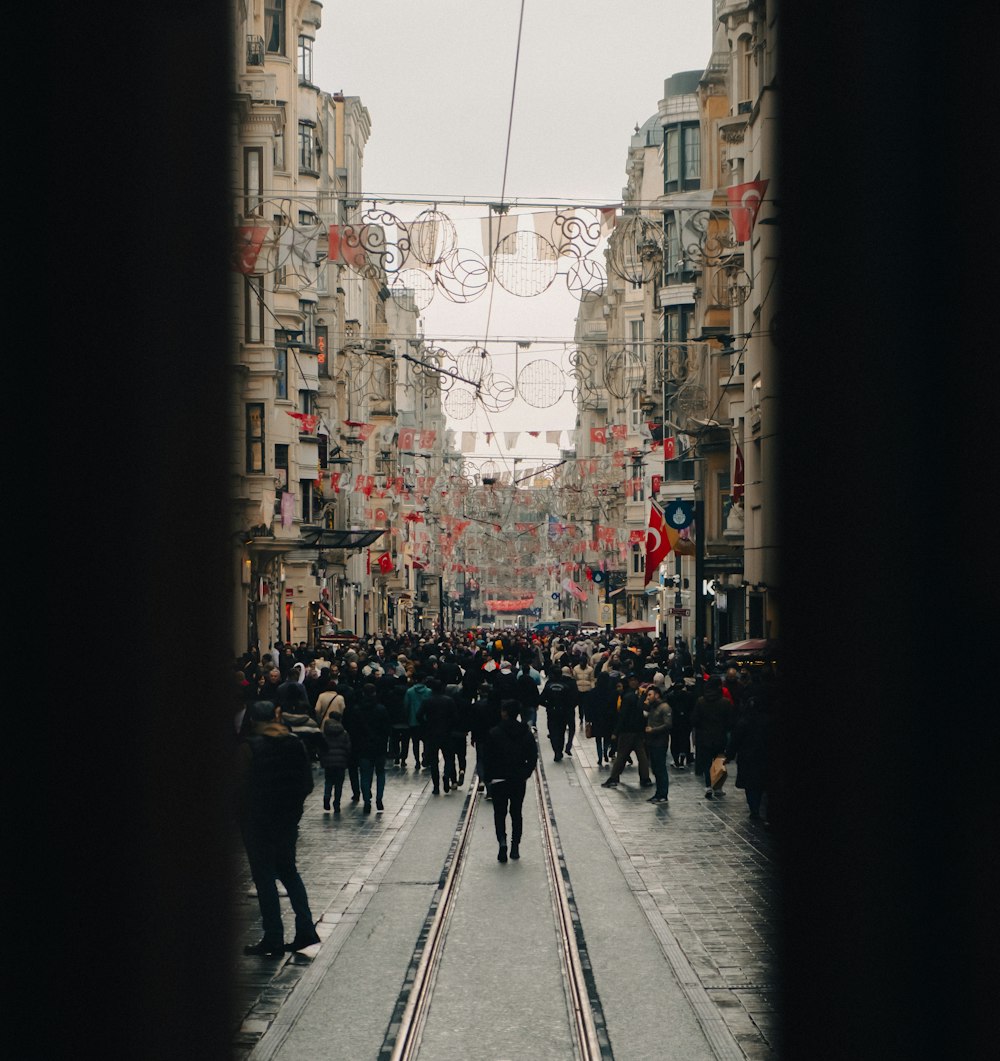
(660, 540)
(657, 479)
(405, 438)
(598, 434)
(619, 431)
(669, 448)
(744, 204)
(385, 564)
(249, 240)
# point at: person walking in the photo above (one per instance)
(630, 730)
(414, 696)
(437, 717)
(483, 716)
(559, 698)
(603, 711)
(511, 757)
(681, 702)
(749, 744)
(658, 724)
(275, 776)
(335, 758)
(583, 675)
(373, 745)
(711, 720)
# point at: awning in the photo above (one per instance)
(321, 538)
(755, 644)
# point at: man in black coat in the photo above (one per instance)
(559, 697)
(511, 755)
(681, 705)
(276, 777)
(438, 717)
(630, 731)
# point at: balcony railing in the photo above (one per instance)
(255, 51)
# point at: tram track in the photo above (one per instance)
(588, 1030)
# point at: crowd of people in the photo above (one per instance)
(418, 701)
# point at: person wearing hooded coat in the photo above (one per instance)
(559, 698)
(438, 718)
(711, 720)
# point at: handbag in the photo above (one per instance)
(717, 772)
(588, 730)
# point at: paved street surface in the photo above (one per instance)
(678, 905)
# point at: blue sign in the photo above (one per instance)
(679, 514)
(555, 596)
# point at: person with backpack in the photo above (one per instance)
(413, 698)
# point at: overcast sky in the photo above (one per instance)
(437, 78)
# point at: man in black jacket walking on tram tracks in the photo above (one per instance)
(511, 755)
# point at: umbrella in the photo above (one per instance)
(636, 626)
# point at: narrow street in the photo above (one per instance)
(675, 909)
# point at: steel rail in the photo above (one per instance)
(411, 1024)
(587, 1040)
(589, 1044)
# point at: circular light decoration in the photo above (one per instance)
(412, 289)
(624, 372)
(586, 280)
(541, 383)
(460, 403)
(432, 237)
(462, 275)
(524, 263)
(473, 364)
(497, 393)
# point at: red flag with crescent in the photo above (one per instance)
(660, 541)
(744, 205)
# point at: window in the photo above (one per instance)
(255, 438)
(635, 333)
(308, 500)
(308, 311)
(678, 322)
(307, 145)
(306, 60)
(638, 560)
(673, 260)
(280, 473)
(681, 157)
(253, 310)
(253, 181)
(638, 482)
(636, 416)
(274, 26)
(279, 145)
(744, 71)
(281, 370)
(306, 403)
